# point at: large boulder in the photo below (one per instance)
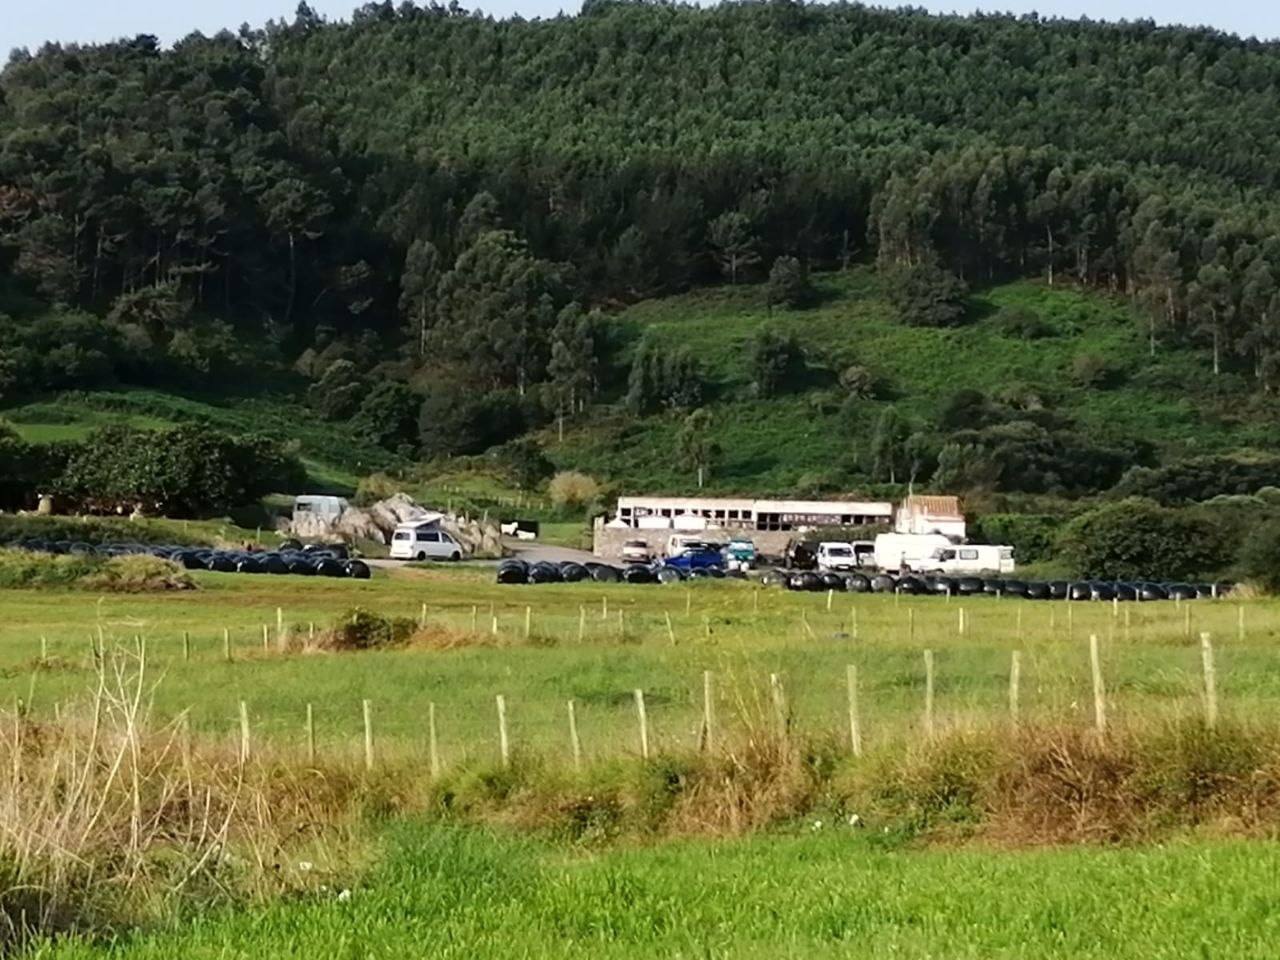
(379, 520)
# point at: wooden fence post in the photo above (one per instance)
(1240, 622)
(504, 745)
(266, 639)
(1210, 682)
(44, 649)
(226, 644)
(1186, 621)
(960, 624)
(433, 746)
(574, 743)
(855, 728)
(311, 734)
(186, 645)
(366, 708)
(853, 615)
(928, 693)
(475, 619)
(244, 732)
(604, 607)
(671, 633)
(582, 622)
(528, 623)
(1015, 676)
(280, 624)
(779, 699)
(422, 616)
(1099, 691)
(831, 595)
(643, 719)
(708, 712)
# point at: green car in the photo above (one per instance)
(740, 554)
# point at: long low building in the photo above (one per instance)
(693, 513)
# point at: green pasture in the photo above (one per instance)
(831, 892)
(597, 645)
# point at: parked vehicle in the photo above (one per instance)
(973, 558)
(740, 554)
(702, 557)
(331, 508)
(833, 556)
(864, 552)
(636, 551)
(424, 540)
(800, 556)
(678, 543)
(908, 551)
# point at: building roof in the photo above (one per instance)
(940, 508)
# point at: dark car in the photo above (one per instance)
(800, 556)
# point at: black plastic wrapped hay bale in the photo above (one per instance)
(1058, 589)
(883, 583)
(670, 575)
(832, 581)
(773, 578)
(604, 573)
(993, 587)
(1102, 591)
(858, 583)
(358, 570)
(301, 567)
(1151, 591)
(1015, 588)
(1037, 590)
(220, 563)
(1125, 591)
(513, 571)
(969, 586)
(805, 580)
(1180, 591)
(572, 572)
(250, 565)
(1079, 591)
(638, 573)
(941, 585)
(331, 567)
(543, 572)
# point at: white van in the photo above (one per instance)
(912, 551)
(973, 558)
(836, 557)
(424, 540)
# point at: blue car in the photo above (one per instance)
(696, 559)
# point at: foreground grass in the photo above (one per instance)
(832, 893)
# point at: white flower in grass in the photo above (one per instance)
(305, 866)
(855, 820)
(817, 825)
(344, 896)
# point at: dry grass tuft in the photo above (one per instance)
(106, 818)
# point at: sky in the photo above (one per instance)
(87, 21)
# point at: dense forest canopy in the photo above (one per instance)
(431, 186)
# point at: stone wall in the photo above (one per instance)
(607, 541)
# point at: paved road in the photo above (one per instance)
(528, 550)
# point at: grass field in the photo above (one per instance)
(1150, 651)
(817, 886)
(831, 893)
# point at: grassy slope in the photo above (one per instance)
(450, 893)
(778, 444)
(335, 456)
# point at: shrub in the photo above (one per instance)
(361, 629)
(1200, 478)
(1259, 557)
(1019, 323)
(126, 574)
(789, 283)
(455, 421)
(525, 462)
(388, 415)
(1134, 539)
(928, 295)
(858, 382)
(183, 472)
(138, 574)
(1032, 536)
(573, 490)
(336, 395)
(1093, 370)
(774, 358)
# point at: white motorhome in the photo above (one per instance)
(934, 553)
(974, 558)
(424, 540)
(910, 551)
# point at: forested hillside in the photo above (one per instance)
(426, 221)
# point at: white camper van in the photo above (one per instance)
(424, 540)
(934, 553)
(912, 551)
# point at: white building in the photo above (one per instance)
(930, 514)
(698, 513)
